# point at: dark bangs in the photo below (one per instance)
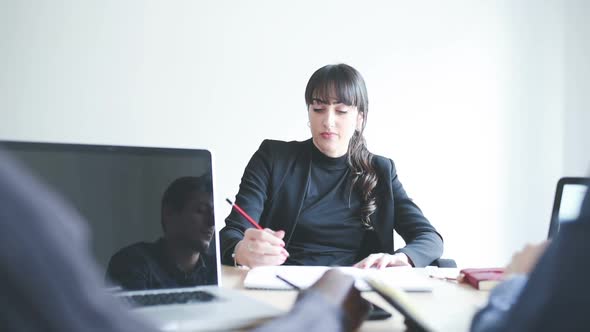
(343, 81)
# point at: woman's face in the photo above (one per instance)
(332, 124)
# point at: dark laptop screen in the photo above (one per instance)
(569, 195)
(153, 207)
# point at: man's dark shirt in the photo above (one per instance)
(146, 266)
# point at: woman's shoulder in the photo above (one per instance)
(282, 153)
(277, 144)
(276, 147)
(382, 162)
(384, 166)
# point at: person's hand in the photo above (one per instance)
(261, 247)
(525, 260)
(382, 260)
(339, 289)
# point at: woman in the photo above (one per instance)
(327, 200)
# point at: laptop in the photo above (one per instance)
(569, 196)
(119, 190)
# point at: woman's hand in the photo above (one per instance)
(382, 260)
(261, 247)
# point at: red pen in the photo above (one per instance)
(244, 214)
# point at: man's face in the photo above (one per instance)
(194, 225)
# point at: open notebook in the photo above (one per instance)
(404, 278)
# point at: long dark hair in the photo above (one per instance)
(350, 89)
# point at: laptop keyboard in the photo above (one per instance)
(169, 298)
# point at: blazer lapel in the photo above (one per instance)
(289, 200)
(383, 217)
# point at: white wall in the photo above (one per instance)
(479, 103)
(577, 87)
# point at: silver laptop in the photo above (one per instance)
(569, 195)
(125, 194)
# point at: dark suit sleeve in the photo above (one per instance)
(251, 197)
(423, 243)
(556, 297)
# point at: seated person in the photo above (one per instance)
(179, 258)
(327, 200)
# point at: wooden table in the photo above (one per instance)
(449, 307)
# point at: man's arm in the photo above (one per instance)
(331, 304)
(555, 297)
(501, 299)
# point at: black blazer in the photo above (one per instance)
(272, 192)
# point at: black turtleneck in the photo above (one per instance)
(329, 230)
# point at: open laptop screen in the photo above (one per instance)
(150, 210)
(569, 196)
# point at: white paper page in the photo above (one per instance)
(265, 277)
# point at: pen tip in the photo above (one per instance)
(230, 202)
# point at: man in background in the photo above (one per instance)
(179, 258)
